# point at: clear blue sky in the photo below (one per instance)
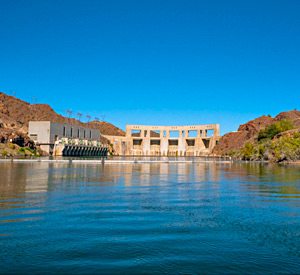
(154, 62)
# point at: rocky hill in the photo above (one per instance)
(15, 115)
(106, 128)
(249, 131)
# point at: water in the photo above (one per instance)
(149, 218)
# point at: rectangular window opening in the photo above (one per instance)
(154, 142)
(155, 133)
(210, 133)
(135, 133)
(192, 133)
(173, 142)
(34, 137)
(206, 143)
(174, 134)
(190, 142)
(137, 142)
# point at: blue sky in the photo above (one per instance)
(154, 62)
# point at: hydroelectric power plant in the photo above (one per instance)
(66, 140)
(140, 140)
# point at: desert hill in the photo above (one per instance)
(249, 131)
(15, 115)
(106, 128)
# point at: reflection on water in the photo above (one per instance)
(149, 218)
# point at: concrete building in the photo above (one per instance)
(142, 140)
(66, 140)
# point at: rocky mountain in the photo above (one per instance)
(15, 115)
(248, 132)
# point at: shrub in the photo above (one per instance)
(274, 129)
(247, 151)
(12, 146)
(286, 148)
(32, 151)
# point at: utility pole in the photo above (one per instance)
(69, 113)
(79, 115)
(88, 118)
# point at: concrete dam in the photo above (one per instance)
(143, 140)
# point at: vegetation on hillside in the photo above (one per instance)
(276, 143)
(274, 129)
(13, 150)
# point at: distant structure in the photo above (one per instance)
(142, 140)
(66, 140)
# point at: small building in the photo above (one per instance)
(65, 139)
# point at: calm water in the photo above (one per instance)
(149, 218)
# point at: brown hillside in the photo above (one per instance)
(106, 128)
(249, 131)
(15, 115)
(235, 140)
(293, 116)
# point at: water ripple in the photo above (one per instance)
(149, 218)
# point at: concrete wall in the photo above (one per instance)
(39, 131)
(193, 140)
(59, 131)
(119, 144)
(49, 132)
(46, 133)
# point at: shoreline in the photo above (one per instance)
(108, 161)
(137, 161)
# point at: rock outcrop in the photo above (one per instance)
(293, 116)
(247, 132)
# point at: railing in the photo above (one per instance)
(79, 142)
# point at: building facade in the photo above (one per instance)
(142, 140)
(65, 139)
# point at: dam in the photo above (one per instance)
(144, 140)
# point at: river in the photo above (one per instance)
(149, 218)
